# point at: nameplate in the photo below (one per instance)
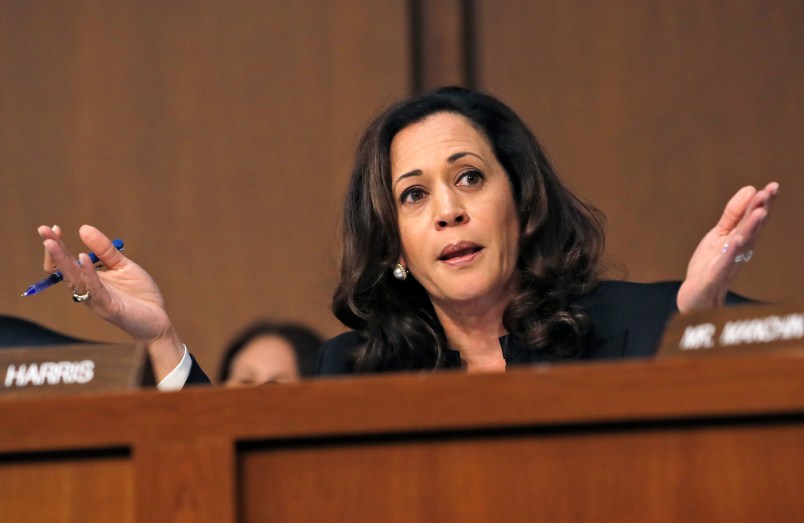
(744, 330)
(68, 369)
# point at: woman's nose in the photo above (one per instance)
(452, 213)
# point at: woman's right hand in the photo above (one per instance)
(124, 294)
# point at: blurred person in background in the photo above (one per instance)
(266, 352)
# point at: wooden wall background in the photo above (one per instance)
(216, 138)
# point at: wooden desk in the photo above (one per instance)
(718, 439)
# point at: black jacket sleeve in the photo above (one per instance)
(197, 375)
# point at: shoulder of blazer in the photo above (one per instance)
(335, 355)
(627, 319)
(18, 332)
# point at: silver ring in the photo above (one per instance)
(78, 298)
(744, 258)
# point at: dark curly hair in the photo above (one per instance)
(561, 243)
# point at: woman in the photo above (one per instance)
(461, 248)
(266, 352)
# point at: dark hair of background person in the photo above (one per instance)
(561, 243)
(304, 341)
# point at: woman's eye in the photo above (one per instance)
(470, 177)
(412, 195)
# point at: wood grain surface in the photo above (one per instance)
(694, 439)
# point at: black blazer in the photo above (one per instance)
(628, 320)
(16, 332)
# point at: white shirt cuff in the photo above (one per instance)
(176, 379)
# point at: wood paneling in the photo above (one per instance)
(59, 488)
(200, 475)
(657, 112)
(442, 43)
(214, 138)
(697, 439)
(659, 475)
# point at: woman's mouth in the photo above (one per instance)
(460, 253)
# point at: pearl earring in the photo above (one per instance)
(400, 272)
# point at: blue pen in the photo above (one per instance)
(56, 277)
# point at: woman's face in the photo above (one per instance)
(268, 358)
(457, 218)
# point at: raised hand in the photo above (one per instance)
(124, 294)
(725, 249)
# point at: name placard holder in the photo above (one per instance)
(739, 330)
(70, 369)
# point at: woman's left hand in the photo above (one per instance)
(725, 249)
